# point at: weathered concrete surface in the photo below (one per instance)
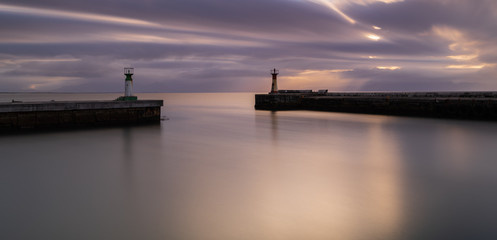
(460, 105)
(75, 105)
(52, 115)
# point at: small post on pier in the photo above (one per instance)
(274, 85)
(128, 86)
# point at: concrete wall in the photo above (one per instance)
(451, 94)
(478, 107)
(75, 105)
(54, 115)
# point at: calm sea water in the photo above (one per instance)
(218, 169)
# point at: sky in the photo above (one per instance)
(231, 45)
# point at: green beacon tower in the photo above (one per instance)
(128, 86)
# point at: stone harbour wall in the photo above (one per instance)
(55, 115)
(436, 105)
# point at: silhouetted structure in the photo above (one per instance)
(461, 105)
(274, 85)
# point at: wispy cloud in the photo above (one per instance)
(218, 45)
(74, 15)
(329, 4)
(391, 68)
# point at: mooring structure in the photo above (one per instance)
(125, 110)
(450, 104)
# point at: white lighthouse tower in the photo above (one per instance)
(128, 86)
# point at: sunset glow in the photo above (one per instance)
(373, 37)
(330, 5)
(463, 57)
(388, 68)
(248, 119)
(466, 66)
(217, 46)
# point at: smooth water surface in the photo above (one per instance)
(218, 169)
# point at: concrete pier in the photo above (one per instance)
(76, 114)
(458, 105)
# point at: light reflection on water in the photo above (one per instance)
(220, 170)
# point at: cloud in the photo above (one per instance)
(218, 45)
(408, 80)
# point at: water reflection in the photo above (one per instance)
(127, 151)
(319, 190)
(447, 177)
(274, 126)
(220, 170)
(384, 180)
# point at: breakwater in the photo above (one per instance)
(76, 114)
(459, 105)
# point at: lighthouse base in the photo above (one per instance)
(127, 98)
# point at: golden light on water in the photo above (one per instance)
(328, 196)
(384, 186)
